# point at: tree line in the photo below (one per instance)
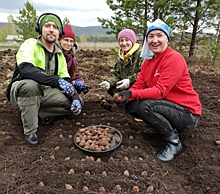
(189, 22)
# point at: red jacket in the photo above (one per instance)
(166, 77)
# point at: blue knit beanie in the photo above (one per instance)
(159, 25)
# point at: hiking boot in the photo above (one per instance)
(44, 121)
(32, 139)
(172, 148)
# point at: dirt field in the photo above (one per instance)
(195, 170)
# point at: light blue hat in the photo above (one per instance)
(159, 25)
(146, 53)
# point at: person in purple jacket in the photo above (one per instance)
(67, 42)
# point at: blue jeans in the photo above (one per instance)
(163, 116)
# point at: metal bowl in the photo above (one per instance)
(113, 144)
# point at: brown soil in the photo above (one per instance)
(195, 170)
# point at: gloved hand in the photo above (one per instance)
(76, 106)
(75, 47)
(65, 86)
(123, 84)
(122, 97)
(86, 90)
(108, 104)
(105, 85)
(81, 86)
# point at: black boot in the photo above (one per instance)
(172, 148)
(44, 121)
(32, 139)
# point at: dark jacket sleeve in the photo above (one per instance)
(29, 71)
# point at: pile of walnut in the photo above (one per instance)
(96, 138)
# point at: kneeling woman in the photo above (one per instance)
(163, 95)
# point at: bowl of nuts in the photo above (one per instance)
(98, 140)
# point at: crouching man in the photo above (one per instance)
(41, 86)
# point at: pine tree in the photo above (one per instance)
(26, 22)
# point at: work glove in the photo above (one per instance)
(76, 106)
(123, 84)
(108, 104)
(81, 86)
(105, 85)
(75, 47)
(86, 90)
(66, 86)
(122, 97)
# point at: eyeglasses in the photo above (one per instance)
(68, 41)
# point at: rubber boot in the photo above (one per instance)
(44, 121)
(172, 148)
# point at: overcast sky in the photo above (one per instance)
(80, 12)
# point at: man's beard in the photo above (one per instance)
(49, 40)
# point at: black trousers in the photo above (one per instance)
(162, 115)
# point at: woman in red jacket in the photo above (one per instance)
(163, 95)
